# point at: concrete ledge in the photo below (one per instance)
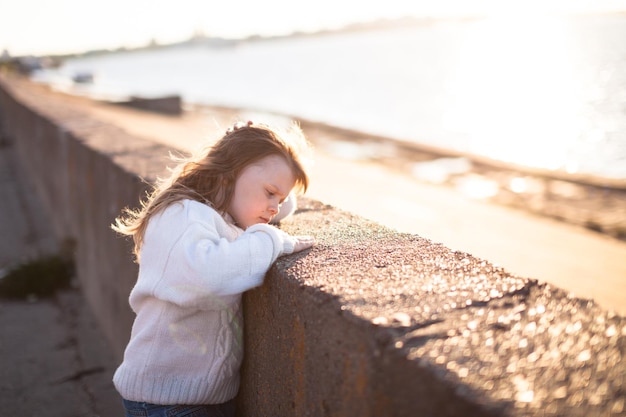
(369, 322)
(85, 172)
(372, 322)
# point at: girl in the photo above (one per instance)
(201, 239)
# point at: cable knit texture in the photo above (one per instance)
(186, 343)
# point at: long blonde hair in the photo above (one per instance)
(209, 176)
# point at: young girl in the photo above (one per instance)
(201, 239)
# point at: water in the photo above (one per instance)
(540, 91)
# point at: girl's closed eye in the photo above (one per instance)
(272, 194)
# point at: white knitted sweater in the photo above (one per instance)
(186, 343)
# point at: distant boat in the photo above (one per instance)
(83, 77)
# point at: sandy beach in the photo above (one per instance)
(372, 178)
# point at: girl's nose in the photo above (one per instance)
(273, 209)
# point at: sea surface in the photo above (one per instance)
(540, 91)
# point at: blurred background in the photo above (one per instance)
(517, 102)
(540, 84)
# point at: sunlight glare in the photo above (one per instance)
(514, 84)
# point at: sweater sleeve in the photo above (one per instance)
(282, 243)
(286, 209)
(202, 265)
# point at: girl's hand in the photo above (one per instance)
(302, 243)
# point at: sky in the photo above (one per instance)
(49, 27)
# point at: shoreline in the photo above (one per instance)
(594, 203)
(591, 202)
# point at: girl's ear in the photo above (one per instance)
(288, 207)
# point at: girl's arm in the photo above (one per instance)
(196, 265)
(226, 267)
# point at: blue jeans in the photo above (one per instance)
(140, 409)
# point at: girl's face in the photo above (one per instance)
(260, 189)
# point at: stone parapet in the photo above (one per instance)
(369, 322)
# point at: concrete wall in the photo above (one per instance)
(85, 173)
(370, 322)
